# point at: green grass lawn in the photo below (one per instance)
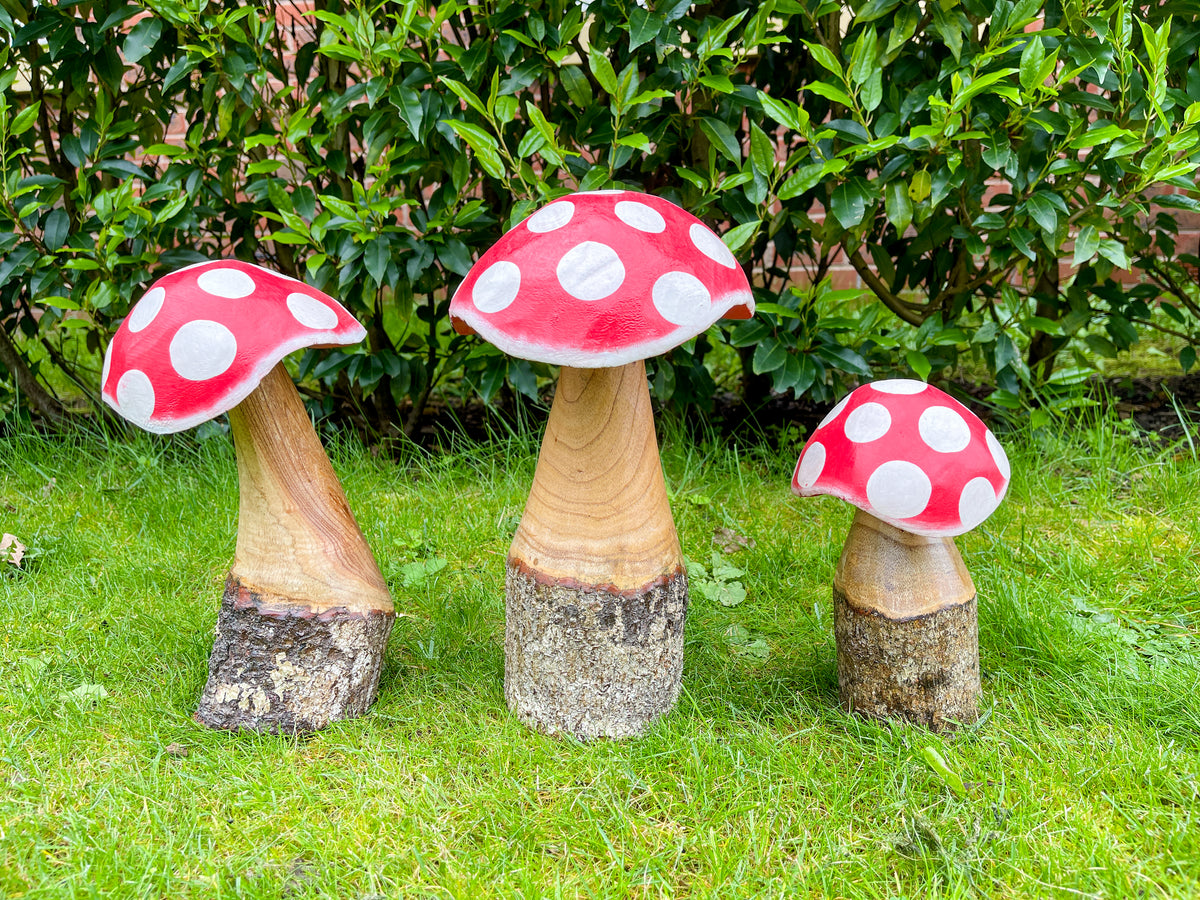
(1082, 778)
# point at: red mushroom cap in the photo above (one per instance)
(909, 455)
(202, 338)
(601, 278)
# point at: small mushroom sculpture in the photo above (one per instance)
(921, 468)
(596, 591)
(305, 616)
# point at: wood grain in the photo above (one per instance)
(900, 575)
(297, 538)
(597, 512)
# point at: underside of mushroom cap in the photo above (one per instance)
(202, 338)
(601, 278)
(907, 454)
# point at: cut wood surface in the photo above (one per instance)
(898, 574)
(297, 540)
(597, 512)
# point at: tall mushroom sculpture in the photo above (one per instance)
(306, 614)
(921, 468)
(596, 593)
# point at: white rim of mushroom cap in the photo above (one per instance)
(908, 454)
(601, 278)
(200, 340)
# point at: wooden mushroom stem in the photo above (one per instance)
(596, 591)
(306, 613)
(906, 626)
(297, 538)
(597, 512)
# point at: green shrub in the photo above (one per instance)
(375, 151)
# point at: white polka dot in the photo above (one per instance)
(107, 367)
(590, 271)
(681, 298)
(898, 490)
(867, 423)
(146, 309)
(311, 312)
(711, 246)
(497, 287)
(233, 284)
(944, 430)
(640, 216)
(836, 411)
(899, 386)
(977, 502)
(551, 218)
(202, 349)
(135, 397)
(999, 456)
(812, 464)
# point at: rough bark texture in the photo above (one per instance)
(924, 669)
(592, 662)
(277, 669)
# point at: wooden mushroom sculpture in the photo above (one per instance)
(596, 591)
(921, 468)
(306, 614)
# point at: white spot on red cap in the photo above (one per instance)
(899, 490)
(977, 502)
(812, 464)
(551, 218)
(867, 423)
(311, 312)
(232, 284)
(107, 367)
(943, 430)
(202, 349)
(638, 215)
(497, 287)
(899, 386)
(681, 298)
(135, 397)
(998, 456)
(711, 246)
(835, 412)
(590, 271)
(146, 309)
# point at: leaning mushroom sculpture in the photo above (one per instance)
(306, 614)
(596, 282)
(921, 468)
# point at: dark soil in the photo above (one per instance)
(1157, 405)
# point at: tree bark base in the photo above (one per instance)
(279, 669)
(589, 660)
(924, 669)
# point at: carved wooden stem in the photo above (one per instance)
(306, 613)
(906, 626)
(596, 592)
(297, 538)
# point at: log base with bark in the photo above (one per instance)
(925, 669)
(906, 626)
(278, 668)
(592, 661)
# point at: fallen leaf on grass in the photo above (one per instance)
(11, 550)
(85, 694)
(730, 541)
